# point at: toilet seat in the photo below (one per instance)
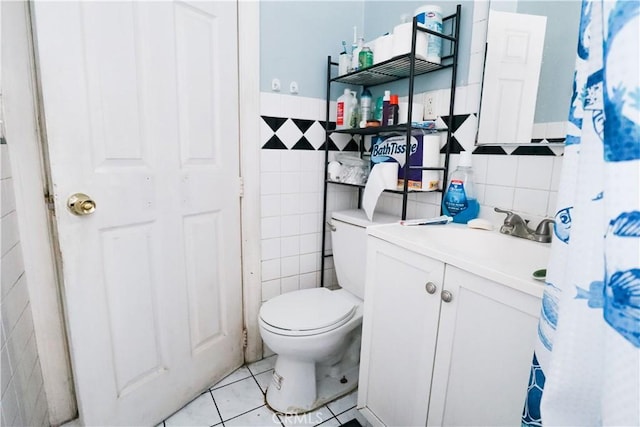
(306, 312)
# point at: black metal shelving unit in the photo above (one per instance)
(408, 67)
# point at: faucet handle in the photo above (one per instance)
(509, 220)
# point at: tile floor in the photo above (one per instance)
(238, 401)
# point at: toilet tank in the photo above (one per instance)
(349, 244)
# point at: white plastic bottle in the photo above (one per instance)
(355, 64)
(346, 110)
(459, 201)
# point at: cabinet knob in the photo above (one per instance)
(431, 288)
(446, 296)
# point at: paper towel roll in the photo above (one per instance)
(383, 176)
(431, 159)
(384, 48)
(403, 112)
(402, 36)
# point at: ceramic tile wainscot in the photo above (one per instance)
(238, 401)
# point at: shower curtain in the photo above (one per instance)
(586, 365)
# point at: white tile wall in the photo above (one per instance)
(22, 393)
(291, 191)
(292, 188)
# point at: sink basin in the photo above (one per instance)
(505, 259)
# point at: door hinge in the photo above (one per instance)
(245, 338)
(241, 186)
(48, 199)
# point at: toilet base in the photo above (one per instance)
(298, 386)
(328, 387)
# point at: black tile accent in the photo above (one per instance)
(351, 423)
(489, 149)
(303, 124)
(456, 148)
(332, 125)
(352, 145)
(274, 122)
(532, 151)
(332, 146)
(2, 140)
(458, 120)
(303, 144)
(274, 143)
(537, 148)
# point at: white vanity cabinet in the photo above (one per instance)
(442, 346)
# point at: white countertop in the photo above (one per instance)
(508, 260)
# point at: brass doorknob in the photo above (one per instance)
(81, 204)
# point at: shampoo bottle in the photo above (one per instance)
(459, 201)
(394, 110)
(365, 107)
(385, 107)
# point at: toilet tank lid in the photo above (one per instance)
(359, 218)
(307, 310)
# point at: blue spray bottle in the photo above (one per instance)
(459, 201)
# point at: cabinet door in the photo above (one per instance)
(399, 335)
(485, 344)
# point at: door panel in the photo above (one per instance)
(141, 113)
(515, 42)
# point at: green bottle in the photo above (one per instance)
(365, 58)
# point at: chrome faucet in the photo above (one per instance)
(514, 225)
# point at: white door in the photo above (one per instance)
(141, 110)
(485, 342)
(515, 42)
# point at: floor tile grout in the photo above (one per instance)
(217, 409)
(265, 394)
(244, 413)
(253, 375)
(232, 382)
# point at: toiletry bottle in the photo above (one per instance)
(342, 110)
(394, 110)
(386, 100)
(460, 200)
(354, 116)
(365, 107)
(365, 58)
(355, 59)
(377, 114)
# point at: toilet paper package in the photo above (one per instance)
(424, 152)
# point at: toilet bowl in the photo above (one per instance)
(316, 332)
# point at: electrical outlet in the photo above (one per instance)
(275, 85)
(293, 87)
(430, 101)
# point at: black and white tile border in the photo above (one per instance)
(283, 133)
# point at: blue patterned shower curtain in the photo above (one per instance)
(586, 366)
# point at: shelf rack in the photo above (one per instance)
(406, 66)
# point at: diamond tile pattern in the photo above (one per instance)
(282, 133)
(289, 133)
(238, 400)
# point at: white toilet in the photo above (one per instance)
(316, 332)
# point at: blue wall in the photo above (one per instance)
(297, 36)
